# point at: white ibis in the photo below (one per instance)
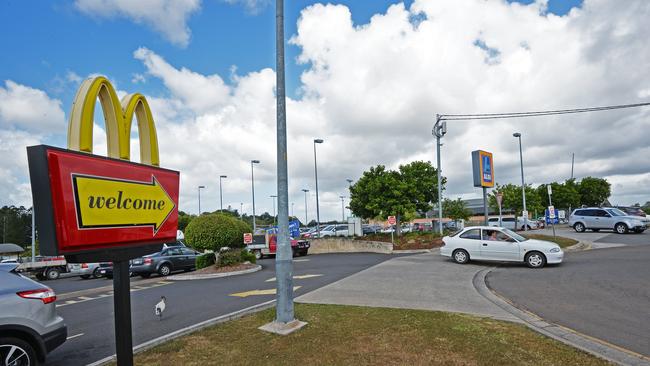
(160, 307)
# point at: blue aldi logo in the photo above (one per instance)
(487, 169)
(483, 168)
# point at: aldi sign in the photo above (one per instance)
(483, 169)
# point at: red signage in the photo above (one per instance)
(391, 220)
(88, 202)
(248, 238)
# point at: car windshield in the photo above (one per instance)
(514, 235)
(616, 212)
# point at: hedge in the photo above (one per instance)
(205, 260)
(235, 256)
(214, 231)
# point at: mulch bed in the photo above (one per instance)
(408, 241)
(215, 269)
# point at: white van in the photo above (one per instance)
(509, 223)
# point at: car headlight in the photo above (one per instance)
(555, 250)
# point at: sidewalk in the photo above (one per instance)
(425, 282)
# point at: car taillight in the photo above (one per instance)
(47, 295)
(148, 261)
(84, 265)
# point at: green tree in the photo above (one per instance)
(594, 191)
(456, 209)
(214, 231)
(564, 195)
(512, 200)
(16, 225)
(183, 220)
(380, 192)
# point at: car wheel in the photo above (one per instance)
(460, 256)
(53, 274)
(303, 252)
(85, 277)
(579, 227)
(621, 228)
(145, 275)
(535, 260)
(40, 277)
(164, 270)
(96, 273)
(14, 351)
(258, 254)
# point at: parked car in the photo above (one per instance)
(165, 262)
(370, 229)
(29, 325)
(509, 223)
(84, 270)
(499, 244)
(632, 211)
(106, 269)
(606, 218)
(333, 230)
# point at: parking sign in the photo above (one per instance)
(248, 238)
(551, 212)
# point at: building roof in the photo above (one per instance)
(9, 248)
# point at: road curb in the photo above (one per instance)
(412, 251)
(581, 246)
(193, 277)
(191, 329)
(565, 335)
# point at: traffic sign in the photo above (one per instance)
(551, 212)
(391, 220)
(548, 188)
(248, 238)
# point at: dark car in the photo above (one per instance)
(165, 262)
(105, 269)
(633, 211)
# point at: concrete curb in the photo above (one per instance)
(413, 251)
(565, 335)
(193, 277)
(191, 329)
(581, 246)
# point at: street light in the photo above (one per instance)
(273, 197)
(253, 189)
(342, 209)
(350, 190)
(199, 189)
(317, 141)
(439, 130)
(241, 210)
(523, 184)
(221, 191)
(306, 222)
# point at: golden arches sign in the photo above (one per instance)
(118, 116)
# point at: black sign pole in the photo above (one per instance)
(485, 208)
(122, 305)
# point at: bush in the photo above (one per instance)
(205, 260)
(214, 231)
(234, 257)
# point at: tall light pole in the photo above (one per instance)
(273, 197)
(221, 191)
(253, 190)
(199, 189)
(292, 209)
(523, 184)
(241, 210)
(306, 222)
(317, 141)
(439, 130)
(342, 209)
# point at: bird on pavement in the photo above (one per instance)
(160, 307)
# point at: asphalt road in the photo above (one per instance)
(603, 293)
(90, 318)
(72, 284)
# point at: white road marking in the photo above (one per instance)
(299, 277)
(75, 336)
(301, 260)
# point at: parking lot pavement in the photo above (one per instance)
(602, 239)
(601, 293)
(74, 284)
(425, 281)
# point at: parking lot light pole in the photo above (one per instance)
(523, 184)
(306, 222)
(273, 197)
(253, 190)
(342, 209)
(221, 191)
(317, 141)
(199, 189)
(439, 130)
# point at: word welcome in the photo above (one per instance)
(121, 203)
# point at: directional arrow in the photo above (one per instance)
(259, 292)
(103, 202)
(301, 277)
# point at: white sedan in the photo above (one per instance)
(499, 244)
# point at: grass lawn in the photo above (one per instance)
(350, 335)
(562, 242)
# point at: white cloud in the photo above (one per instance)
(23, 107)
(167, 17)
(15, 188)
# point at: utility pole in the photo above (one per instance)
(221, 191)
(523, 184)
(317, 141)
(273, 197)
(199, 189)
(342, 208)
(439, 130)
(253, 190)
(306, 218)
(573, 156)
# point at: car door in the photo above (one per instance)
(470, 240)
(189, 258)
(600, 219)
(497, 245)
(175, 255)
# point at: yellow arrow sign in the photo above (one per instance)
(259, 292)
(300, 277)
(108, 202)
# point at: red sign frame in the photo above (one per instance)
(53, 172)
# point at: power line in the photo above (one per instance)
(455, 117)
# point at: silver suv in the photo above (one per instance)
(606, 218)
(29, 326)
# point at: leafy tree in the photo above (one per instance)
(456, 209)
(564, 195)
(214, 231)
(16, 225)
(594, 191)
(512, 200)
(380, 192)
(183, 220)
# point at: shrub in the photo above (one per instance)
(215, 231)
(234, 257)
(205, 260)
(247, 256)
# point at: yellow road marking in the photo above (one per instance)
(259, 292)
